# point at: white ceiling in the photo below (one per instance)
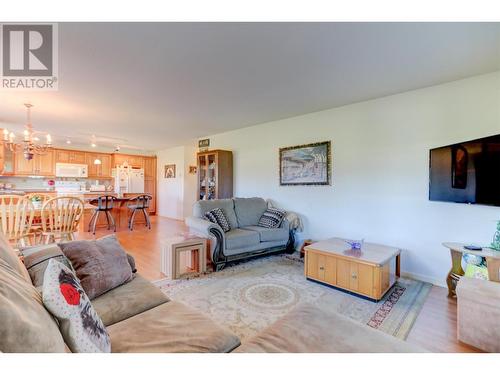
(151, 86)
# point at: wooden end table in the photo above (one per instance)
(173, 247)
(456, 252)
(369, 272)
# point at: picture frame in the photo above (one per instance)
(308, 164)
(169, 171)
(193, 169)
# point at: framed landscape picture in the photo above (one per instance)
(306, 164)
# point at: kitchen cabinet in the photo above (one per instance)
(70, 156)
(44, 164)
(150, 181)
(102, 170)
(6, 161)
(150, 167)
(40, 165)
(135, 161)
(150, 188)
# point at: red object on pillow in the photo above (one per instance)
(70, 294)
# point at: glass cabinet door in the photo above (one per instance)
(202, 175)
(8, 161)
(212, 182)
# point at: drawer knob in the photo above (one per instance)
(354, 276)
(322, 268)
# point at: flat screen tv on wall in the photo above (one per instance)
(467, 172)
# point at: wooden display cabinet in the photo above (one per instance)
(215, 174)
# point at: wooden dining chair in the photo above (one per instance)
(38, 199)
(60, 218)
(16, 218)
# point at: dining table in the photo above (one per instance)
(120, 212)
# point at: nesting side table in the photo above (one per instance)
(171, 254)
(456, 252)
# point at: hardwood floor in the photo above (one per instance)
(435, 328)
(143, 244)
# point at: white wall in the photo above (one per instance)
(190, 186)
(380, 169)
(176, 195)
(171, 190)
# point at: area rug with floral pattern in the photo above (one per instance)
(248, 297)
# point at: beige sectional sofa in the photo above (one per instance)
(478, 313)
(140, 318)
(309, 329)
(137, 315)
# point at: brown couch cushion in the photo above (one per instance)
(170, 328)
(25, 325)
(8, 254)
(100, 265)
(37, 258)
(128, 300)
(309, 329)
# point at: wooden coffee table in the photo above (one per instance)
(369, 272)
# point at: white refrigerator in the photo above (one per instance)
(129, 180)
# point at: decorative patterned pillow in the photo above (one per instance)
(65, 298)
(217, 216)
(271, 218)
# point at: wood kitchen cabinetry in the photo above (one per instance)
(135, 161)
(6, 161)
(40, 165)
(14, 164)
(150, 180)
(70, 156)
(102, 170)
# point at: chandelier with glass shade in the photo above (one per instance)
(29, 146)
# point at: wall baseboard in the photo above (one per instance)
(171, 218)
(424, 278)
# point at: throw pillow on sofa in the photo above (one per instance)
(217, 216)
(100, 265)
(64, 297)
(37, 259)
(272, 218)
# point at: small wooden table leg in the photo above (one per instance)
(456, 269)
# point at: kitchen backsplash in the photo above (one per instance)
(21, 183)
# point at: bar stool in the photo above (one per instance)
(104, 204)
(141, 202)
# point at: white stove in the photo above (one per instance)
(70, 186)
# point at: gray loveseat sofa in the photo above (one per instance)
(245, 239)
